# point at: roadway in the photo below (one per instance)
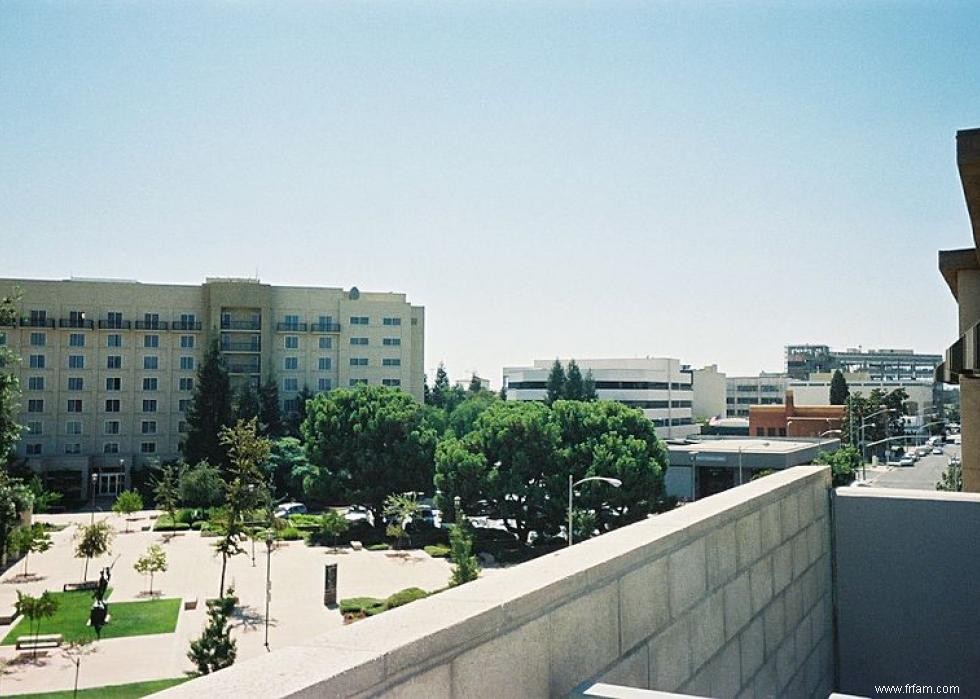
(922, 476)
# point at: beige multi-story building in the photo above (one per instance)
(108, 367)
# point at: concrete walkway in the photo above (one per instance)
(296, 613)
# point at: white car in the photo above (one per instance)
(290, 508)
(907, 460)
(937, 450)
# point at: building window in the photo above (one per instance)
(39, 339)
(326, 342)
(36, 361)
(73, 448)
(76, 318)
(113, 383)
(290, 363)
(359, 320)
(35, 405)
(391, 321)
(392, 342)
(33, 449)
(358, 382)
(187, 320)
(76, 361)
(187, 342)
(112, 405)
(151, 362)
(110, 448)
(74, 405)
(76, 340)
(151, 341)
(114, 340)
(114, 319)
(782, 431)
(186, 383)
(391, 382)
(391, 361)
(182, 427)
(35, 383)
(76, 383)
(187, 363)
(292, 341)
(291, 321)
(150, 383)
(35, 427)
(323, 384)
(290, 406)
(323, 363)
(149, 405)
(359, 341)
(151, 320)
(113, 361)
(39, 317)
(148, 427)
(358, 361)
(110, 427)
(290, 384)
(184, 405)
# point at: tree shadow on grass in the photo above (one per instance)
(20, 578)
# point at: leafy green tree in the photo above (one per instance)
(333, 524)
(844, 464)
(93, 540)
(247, 403)
(475, 385)
(503, 393)
(303, 399)
(36, 609)
(461, 471)
(556, 383)
(210, 411)
(10, 429)
(838, 389)
(43, 498)
(15, 497)
(166, 491)
(440, 389)
(465, 565)
(287, 465)
(270, 414)
(150, 563)
(200, 485)
(127, 502)
(588, 387)
(31, 539)
(574, 384)
(370, 441)
(463, 417)
(952, 478)
(216, 649)
(399, 511)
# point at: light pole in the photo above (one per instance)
(614, 482)
(93, 481)
(269, 541)
(864, 422)
(741, 479)
(694, 474)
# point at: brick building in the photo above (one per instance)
(791, 420)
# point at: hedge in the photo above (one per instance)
(437, 551)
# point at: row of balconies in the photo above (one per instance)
(86, 324)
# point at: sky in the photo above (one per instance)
(705, 181)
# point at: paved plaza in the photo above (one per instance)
(297, 610)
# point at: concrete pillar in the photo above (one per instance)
(968, 288)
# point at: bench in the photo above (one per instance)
(190, 603)
(356, 545)
(86, 585)
(50, 640)
(9, 617)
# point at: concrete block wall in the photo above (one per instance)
(726, 597)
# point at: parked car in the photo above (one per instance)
(937, 450)
(290, 508)
(358, 513)
(907, 460)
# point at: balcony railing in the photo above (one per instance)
(241, 324)
(82, 323)
(37, 322)
(241, 347)
(115, 324)
(186, 325)
(151, 325)
(243, 369)
(325, 327)
(291, 327)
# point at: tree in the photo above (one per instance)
(36, 609)
(200, 486)
(10, 429)
(475, 384)
(247, 452)
(952, 478)
(588, 387)
(287, 465)
(127, 502)
(333, 524)
(503, 393)
(216, 649)
(31, 539)
(210, 411)
(166, 491)
(302, 401)
(399, 511)
(463, 417)
(15, 497)
(270, 414)
(369, 442)
(465, 565)
(74, 651)
(574, 384)
(838, 389)
(247, 403)
(152, 562)
(92, 541)
(440, 389)
(556, 383)
(844, 464)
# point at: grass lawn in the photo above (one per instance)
(116, 691)
(128, 618)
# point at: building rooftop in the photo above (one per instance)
(769, 445)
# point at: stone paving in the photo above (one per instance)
(296, 613)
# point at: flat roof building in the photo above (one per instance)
(881, 364)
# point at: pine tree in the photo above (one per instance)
(216, 649)
(247, 403)
(426, 391)
(210, 411)
(574, 385)
(556, 383)
(440, 389)
(588, 387)
(302, 397)
(465, 566)
(475, 385)
(838, 389)
(270, 415)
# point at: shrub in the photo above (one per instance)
(357, 605)
(199, 525)
(378, 547)
(187, 515)
(437, 551)
(290, 534)
(409, 594)
(167, 527)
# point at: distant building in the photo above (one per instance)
(792, 420)
(709, 393)
(802, 361)
(465, 383)
(921, 394)
(662, 388)
(742, 392)
(726, 426)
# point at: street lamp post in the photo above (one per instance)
(741, 479)
(269, 541)
(614, 482)
(93, 482)
(694, 475)
(864, 422)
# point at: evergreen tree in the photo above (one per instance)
(9, 386)
(503, 393)
(302, 398)
(216, 649)
(210, 411)
(556, 383)
(440, 389)
(838, 389)
(465, 566)
(475, 385)
(426, 391)
(588, 387)
(270, 415)
(247, 404)
(574, 385)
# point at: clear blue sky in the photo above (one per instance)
(704, 181)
